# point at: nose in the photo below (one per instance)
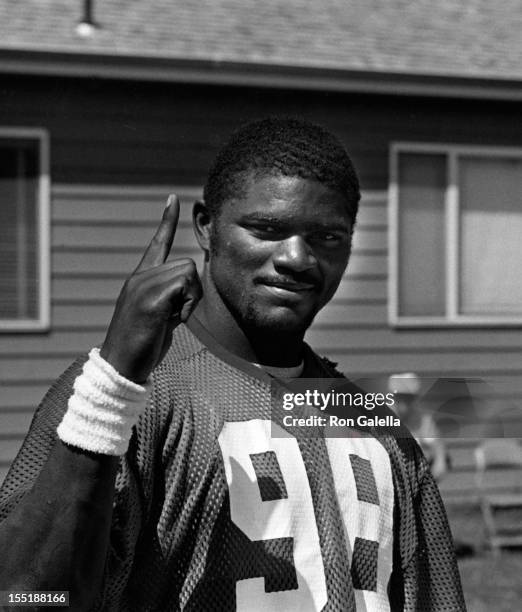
(294, 254)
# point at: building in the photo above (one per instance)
(99, 123)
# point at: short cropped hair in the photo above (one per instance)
(281, 145)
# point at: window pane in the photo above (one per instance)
(491, 231)
(18, 229)
(422, 185)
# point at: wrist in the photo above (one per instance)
(122, 364)
(104, 408)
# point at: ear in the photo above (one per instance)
(202, 224)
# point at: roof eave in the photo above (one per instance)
(91, 65)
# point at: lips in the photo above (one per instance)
(292, 286)
(285, 291)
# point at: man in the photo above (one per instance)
(163, 486)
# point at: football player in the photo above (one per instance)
(154, 476)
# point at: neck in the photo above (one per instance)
(254, 345)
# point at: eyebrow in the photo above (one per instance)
(281, 222)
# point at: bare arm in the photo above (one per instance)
(57, 537)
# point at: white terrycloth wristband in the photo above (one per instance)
(103, 409)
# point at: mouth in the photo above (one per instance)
(288, 285)
(287, 289)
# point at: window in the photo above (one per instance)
(455, 235)
(24, 230)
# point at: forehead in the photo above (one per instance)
(288, 198)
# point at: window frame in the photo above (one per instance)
(452, 229)
(43, 321)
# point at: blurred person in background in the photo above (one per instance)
(406, 388)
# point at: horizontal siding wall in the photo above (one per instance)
(98, 236)
(118, 132)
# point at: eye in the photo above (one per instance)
(326, 237)
(267, 230)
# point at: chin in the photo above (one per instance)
(280, 320)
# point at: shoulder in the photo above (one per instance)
(408, 462)
(185, 345)
(317, 366)
(331, 366)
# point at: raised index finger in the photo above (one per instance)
(161, 243)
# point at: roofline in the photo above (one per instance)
(213, 72)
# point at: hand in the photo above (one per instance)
(158, 295)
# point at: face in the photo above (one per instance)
(278, 254)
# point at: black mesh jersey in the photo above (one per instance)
(213, 512)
